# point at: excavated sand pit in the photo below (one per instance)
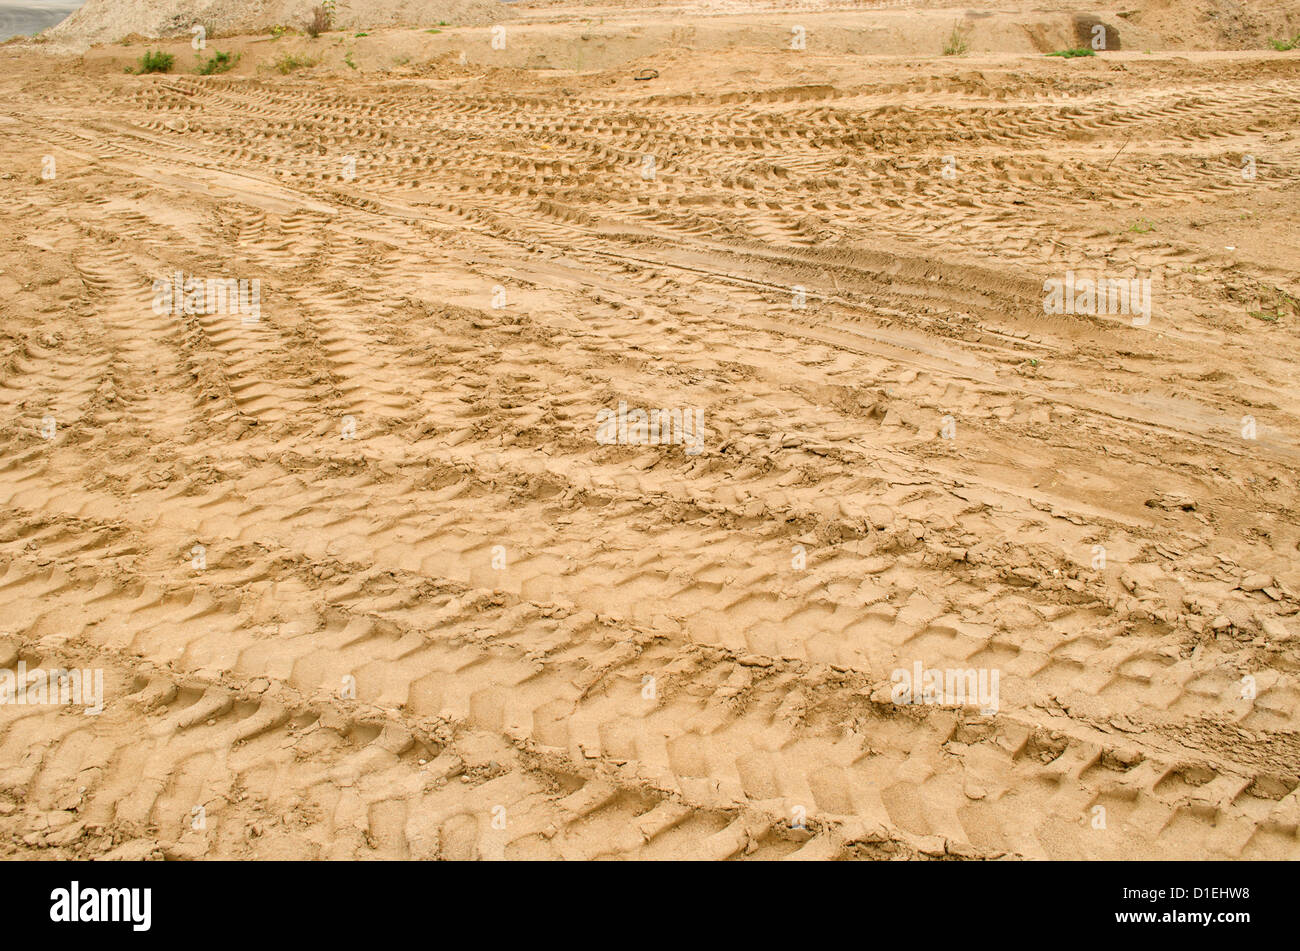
(379, 558)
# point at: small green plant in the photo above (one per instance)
(401, 60)
(955, 45)
(219, 62)
(1141, 226)
(288, 63)
(1283, 45)
(347, 58)
(433, 31)
(279, 31)
(1076, 51)
(1284, 304)
(360, 34)
(155, 61)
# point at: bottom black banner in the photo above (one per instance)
(336, 901)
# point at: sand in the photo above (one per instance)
(366, 579)
(101, 21)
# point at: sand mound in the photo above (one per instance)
(1218, 24)
(102, 21)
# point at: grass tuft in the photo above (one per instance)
(155, 61)
(955, 45)
(288, 63)
(219, 62)
(319, 22)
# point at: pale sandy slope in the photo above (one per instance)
(650, 672)
(103, 21)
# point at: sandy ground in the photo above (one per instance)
(363, 581)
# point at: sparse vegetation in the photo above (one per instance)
(1285, 304)
(319, 22)
(955, 45)
(155, 61)
(279, 31)
(1074, 51)
(218, 62)
(1141, 226)
(347, 58)
(1283, 46)
(288, 63)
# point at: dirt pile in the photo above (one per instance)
(103, 21)
(1218, 24)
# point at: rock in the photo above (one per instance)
(137, 850)
(66, 836)
(1275, 630)
(1128, 758)
(1256, 582)
(882, 693)
(880, 516)
(1172, 502)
